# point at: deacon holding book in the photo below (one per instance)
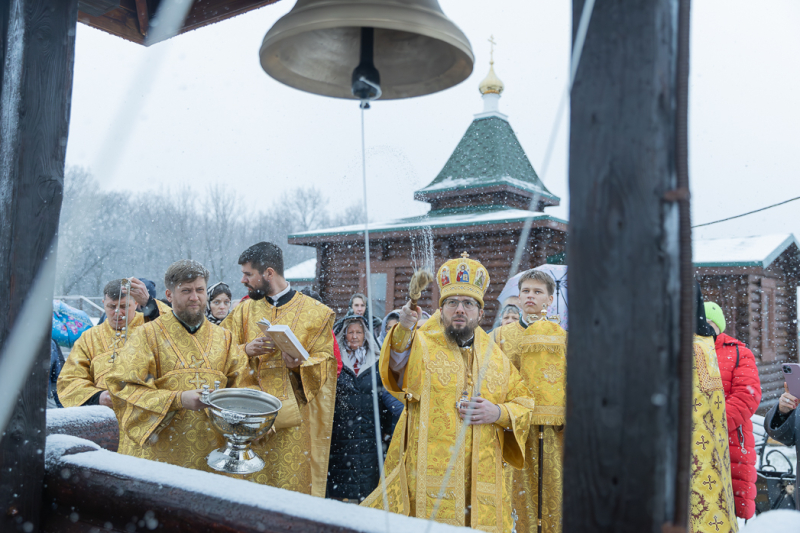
(538, 348)
(297, 366)
(446, 371)
(156, 379)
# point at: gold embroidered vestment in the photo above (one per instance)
(160, 360)
(297, 455)
(539, 352)
(711, 497)
(84, 371)
(437, 370)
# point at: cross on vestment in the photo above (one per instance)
(717, 402)
(198, 382)
(703, 442)
(716, 523)
(710, 483)
(696, 404)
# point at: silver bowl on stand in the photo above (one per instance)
(240, 416)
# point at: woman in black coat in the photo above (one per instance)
(782, 423)
(353, 467)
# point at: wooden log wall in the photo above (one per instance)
(341, 269)
(37, 50)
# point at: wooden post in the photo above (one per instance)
(621, 435)
(37, 48)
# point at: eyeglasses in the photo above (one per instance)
(452, 303)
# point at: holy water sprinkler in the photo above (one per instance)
(366, 78)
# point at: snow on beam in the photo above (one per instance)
(95, 423)
(94, 487)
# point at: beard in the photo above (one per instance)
(189, 318)
(259, 293)
(459, 334)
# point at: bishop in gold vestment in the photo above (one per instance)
(160, 361)
(711, 498)
(439, 373)
(538, 350)
(297, 455)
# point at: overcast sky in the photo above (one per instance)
(198, 109)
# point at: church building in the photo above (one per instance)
(479, 202)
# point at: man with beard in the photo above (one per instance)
(449, 372)
(155, 381)
(296, 455)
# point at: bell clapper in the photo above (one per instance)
(366, 78)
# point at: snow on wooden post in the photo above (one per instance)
(622, 405)
(37, 47)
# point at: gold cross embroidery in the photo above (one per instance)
(710, 483)
(465, 255)
(716, 523)
(703, 442)
(197, 381)
(552, 374)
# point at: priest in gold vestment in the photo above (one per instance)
(82, 380)
(538, 349)
(296, 455)
(447, 370)
(156, 379)
(711, 503)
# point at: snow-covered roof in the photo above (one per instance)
(305, 271)
(495, 216)
(755, 251)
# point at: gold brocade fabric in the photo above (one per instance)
(160, 360)
(476, 494)
(297, 455)
(539, 352)
(711, 497)
(84, 371)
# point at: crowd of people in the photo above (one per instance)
(496, 399)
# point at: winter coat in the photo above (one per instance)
(338, 326)
(788, 434)
(353, 471)
(739, 372)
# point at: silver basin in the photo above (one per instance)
(240, 416)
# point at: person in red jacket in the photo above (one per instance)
(737, 365)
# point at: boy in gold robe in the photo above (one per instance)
(447, 370)
(156, 379)
(538, 349)
(711, 501)
(297, 454)
(82, 379)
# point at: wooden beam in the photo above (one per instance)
(622, 402)
(37, 56)
(143, 14)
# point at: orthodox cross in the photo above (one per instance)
(710, 483)
(491, 49)
(716, 523)
(197, 381)
(465, 255)
(703, 442)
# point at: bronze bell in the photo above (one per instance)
(364, 49)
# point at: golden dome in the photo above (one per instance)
(491, 84)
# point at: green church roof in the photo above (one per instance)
(489, 154)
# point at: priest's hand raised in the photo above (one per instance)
(259, 346)
(409, 316)
(483, 411)
(190, 399)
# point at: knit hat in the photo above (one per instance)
(462, 277)
(714, 314)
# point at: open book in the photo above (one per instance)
(284, 339)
